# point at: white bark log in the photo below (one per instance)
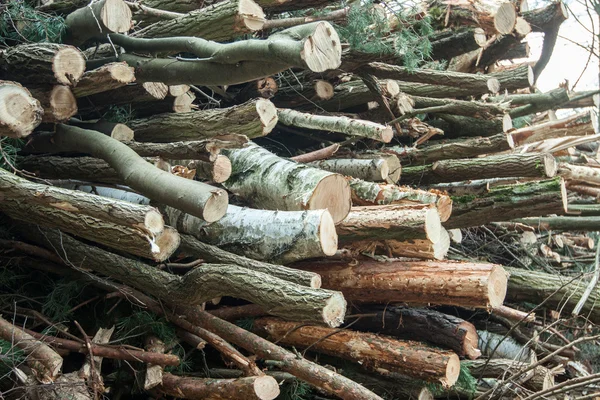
(375, 170)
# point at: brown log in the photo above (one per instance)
(20, 112)
(58, 103)
(108, 77)
(217, 170)
(512, 314)
(117, 131)
(576, 125)
(321, 154)
(264, 88)
(371, 351)
(580, 174)
(128, 94)
(154, 373)
(253, 387)
(89, 169)
(97, 20)
(584, 189)
(414, 282)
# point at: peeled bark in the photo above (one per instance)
(375, 170)
(47, 63)
(115, 130)
(580, 173)
(254, 119)
(20, 112)
(271, 182)
(414, 282)
(254, 387)
(423, 249)
(58, 103)
(576, 125)
(276, 236)
(372, 351)
(108, 77)
(97, 19)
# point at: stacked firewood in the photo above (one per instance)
(304, 182)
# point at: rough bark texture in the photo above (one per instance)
(580, 173)
(451, 43)
(355, 93)
(20, 112)
(88, 169)
(127, 94)
(97, 19)
(371, 351)
(374, 170)
(115, 130)
(271, 182)
(108, 77)
(576, 125)
(416, 282)
(423, 249)
(189, 150)
(58, 103)
(578, 224)
(455, 126)
(253, 387)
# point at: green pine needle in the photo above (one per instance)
(20, 23)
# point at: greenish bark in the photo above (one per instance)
(97, 19)
(88, 169)
(538, 102)
(192, 150)
(450, 43)
(457, 107)
(563, 223)
(460, 126)
(374, 170)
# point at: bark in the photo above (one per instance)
(273, 6)
(265, 88)
(317, 155)
(205, 282)
(108, 77)
(414, 282)
(45, 362)
(115, 130)
(504, 203)
(356, 93)
(192, 197)
(537, 102)
(47, 63)
(391, 384)
(339, 16)
(303, 95)
(585, 190)
(576, 125)
(154, 373)
(371, 351)
(128, 94)
(214, 254)
(97, 19)
(493, 18)
(20, 112)
(494, 166)
(217, 170)
(423, 249)
(456, 107)
(291, 186)
(351, 127)
(179, 104)
(253, 387)
(374, 170)
(577, 224)
(193, 150)
(61, 6)
(459, 126)
(580, 174)
(432, 326)
(451, 43)
(254, 119)
(88, 169)
(58, 103)
(120, 225)
(276, 236)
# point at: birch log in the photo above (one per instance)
(374, 170)
(20, 112)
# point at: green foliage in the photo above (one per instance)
(20, 23)
(10, 357)
(466, 384)
(63, 297)
(143, 323)
(8, 152)
(295, 390)
(119, 114)
(245, 323)
(186, 364)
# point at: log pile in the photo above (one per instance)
(289, 166)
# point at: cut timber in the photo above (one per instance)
(97, 19)
(393, 162)
(193, 150)
(356, 93)
(475, 109)
(375, 170)
(576, 224)
(477, 187)
(178, 90)
(47, 63)
(179, 104)
(276, 236)
(580, 173)
(414, 282)
(254, 118)
(504, 203)
(584, 189)
(348, 126)
(273, 183)
(340, 16)
(432, 326)
(217, 170)
(251, 388)
(119, 225)
(58, 103)
(371, 351)
(423, 249)
(89, 169)
(397, 222)
(133, 93)
(576, 125)
(317, 155)
(204, 201)
(20, 112)
(494, 166)
(456, 126)
(302, 95)
(536, 102)
(108, 77)
(390, 384)
(117, 131)
(493, 17)
(220, 22)
(450, 43)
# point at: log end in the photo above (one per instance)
(266, 387)
(116, 16)
(480, 37)
(122, 133)
(456, 235)
(322, 50)
(178, 90)
(122, 73)
(63, 104)
(251, 15)
(391, 88)
(440, 249)
(511, 140)
(530, 75)
(332, 193)
(496, 286)
(154, 222)
(564, 195)
(505, 18)
(550, 165)
(433, 225)
(444, 207)
(68, 65)
(323, 90)
(165, 244)
(507, 124)
(20, 113)
(425, 394)
(216, 206)
(183, 103)
(334, 310)
(387, 134)
(493, 85)
(328, 237)
(158, 90)
(452, 371)
(470, 341)
(522, 27)
(268, 115)
(221, 169)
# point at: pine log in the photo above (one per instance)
(494, 166)
(414, 282)
(108, 77)
(254, 387)
(371, 351)
(576, 125)
(58, 103)
(254, 119)
(271, 182)
(390, 384)
(217, 170)
(423, 249)
(128, 94)
(89, 169)
(455, 126)
(584, 189)
(375, 170)
(115, 130)
(47, 63)
(276, 236)
(562, 223)
(432, 326)
(451, 43)
(504, 203)
(351, 127)
(356, 93)
(580, 173)
(192, 150)
(20, 112)
(97, 19)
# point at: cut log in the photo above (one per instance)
(351, 127)
(414, 282)
(193, 150)
(254, 119)
(254, 387)
(20, 112)
(537, 102)
(494, 166)
(317, 155)
(584, 189)
(115, 130)
(154, 373)
(108, 77)
(340, 16)
(58, 103)
(179, 104)
(432, 326)
(451, 43)
(303, 95)
(577, 224)
(356, 93)
(455, 126)
(128, 94)
(390, 384)
(218, 170)
(178, 90)
(276, 236)
(89, 169)
(475, 109)
(371, 351)
(493, 17)
(97, 19)
(271, 182)
(504, 203)
(423, 249)
(576, 125)
(375, 170)
(47, 63)
(580, 173)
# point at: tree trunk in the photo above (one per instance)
(276, 236)
(58, 103)
(392, 384)
(455, 126)
(98, 19)
(537, 102)
(414, 282)
(432, 326)
(20, 112)
(580, 173)
(576, 125)
(89, 169)
(371, 351)
(179, 104)
(217, 170)
(504, 203)
(47, 63)
(451, 43)
(108, 77)
(193, 150)
(475, 109)
(115, 130)
(356, 93)
(375, 170)
(292, 186)
(128, 94)
(317, 155)
(494, 166)
(577, 224)
(254, 387)
(423, 249)
(254, 119)
(303, 95)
